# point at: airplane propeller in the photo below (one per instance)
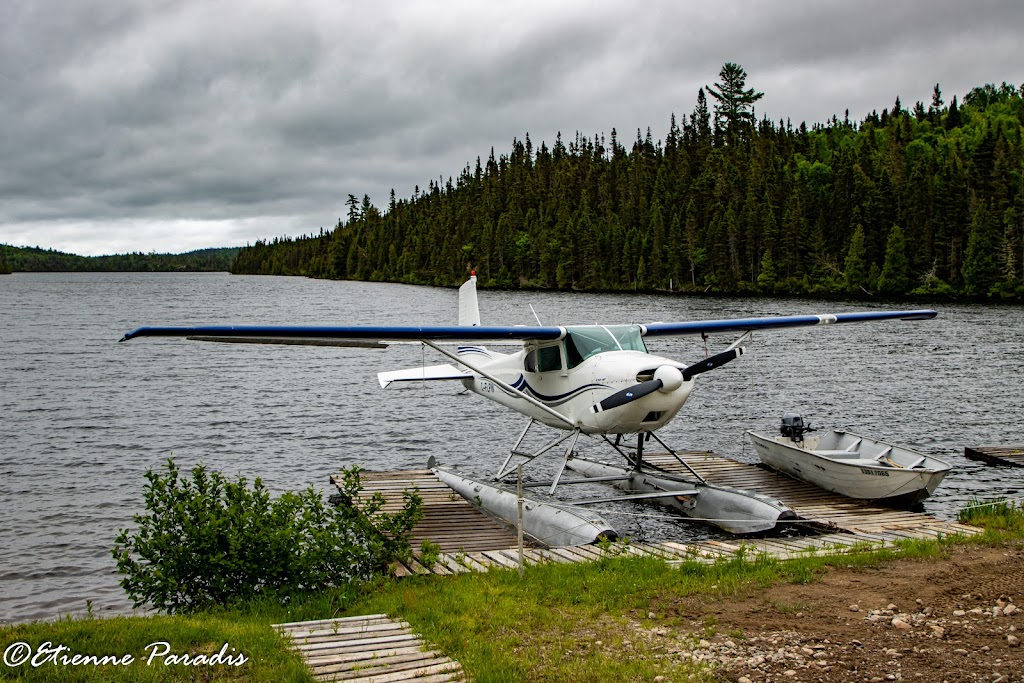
(715, 361)
(666, 378)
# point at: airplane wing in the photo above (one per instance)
(378, 336)
(778, 322)
(357, 333)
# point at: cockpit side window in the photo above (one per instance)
(549, 359)
(546, 359)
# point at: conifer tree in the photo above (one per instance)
(766, 279)
(856, 271)
(895, 270)
(935, 110)
(735, 102)
(953, 116)
(980, 265)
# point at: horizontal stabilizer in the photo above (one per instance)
(425, 374)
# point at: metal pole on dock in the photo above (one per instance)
(519, 516)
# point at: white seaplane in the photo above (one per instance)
(583, 379)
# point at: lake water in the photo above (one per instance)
(82, 417)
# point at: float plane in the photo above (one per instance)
(598, 380)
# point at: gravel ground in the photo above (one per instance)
(954, 619)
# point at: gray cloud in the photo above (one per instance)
(177, 125)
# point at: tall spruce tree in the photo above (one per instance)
(735, 102)
(895, 278)
(856, 271)
(981, 267)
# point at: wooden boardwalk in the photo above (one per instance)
(368, 649)
(471, 541)
(449, 520)
(997, 455)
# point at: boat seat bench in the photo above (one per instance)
(836, 454)
(853, 459)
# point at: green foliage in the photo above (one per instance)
(205, 540)
(980, 265)
(856, 272)
(894, 278)
(702, 208)
(767, 276)
(430, 553)
(5, 267)
(36, 260)
(1005, 517)
(735, 101)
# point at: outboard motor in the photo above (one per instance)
(793, 426)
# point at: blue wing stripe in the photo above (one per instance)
(450, 333)
(745, 324)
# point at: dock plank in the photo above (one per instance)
(337, 656)
(1012, 456)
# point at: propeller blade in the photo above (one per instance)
(717, 360)
(628, 395)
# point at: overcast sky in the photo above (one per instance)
(177, 125)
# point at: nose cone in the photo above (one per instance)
(671, 378)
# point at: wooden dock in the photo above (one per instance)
(816, 507)
(368, 649)
(1012, 456)
(471, 541)
(449, 520)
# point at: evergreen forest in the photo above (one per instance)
(925, 200)
(34, 259)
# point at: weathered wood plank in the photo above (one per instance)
(368, 649)
(338, 620)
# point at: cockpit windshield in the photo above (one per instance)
(582, 342)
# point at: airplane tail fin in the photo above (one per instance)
(469, 311)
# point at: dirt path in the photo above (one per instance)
(911, 620)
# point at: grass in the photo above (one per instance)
(142, 639)
(1002, 519)
(560, 622)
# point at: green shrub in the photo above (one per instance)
(207, 541)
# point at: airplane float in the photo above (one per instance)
(598, 380)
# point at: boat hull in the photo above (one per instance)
(863, 478)
(730, 509)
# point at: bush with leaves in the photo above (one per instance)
(207, 541)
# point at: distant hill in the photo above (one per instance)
(38, 260)
(926, 200)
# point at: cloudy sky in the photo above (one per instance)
(182, 124)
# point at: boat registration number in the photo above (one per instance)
(874, 473)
